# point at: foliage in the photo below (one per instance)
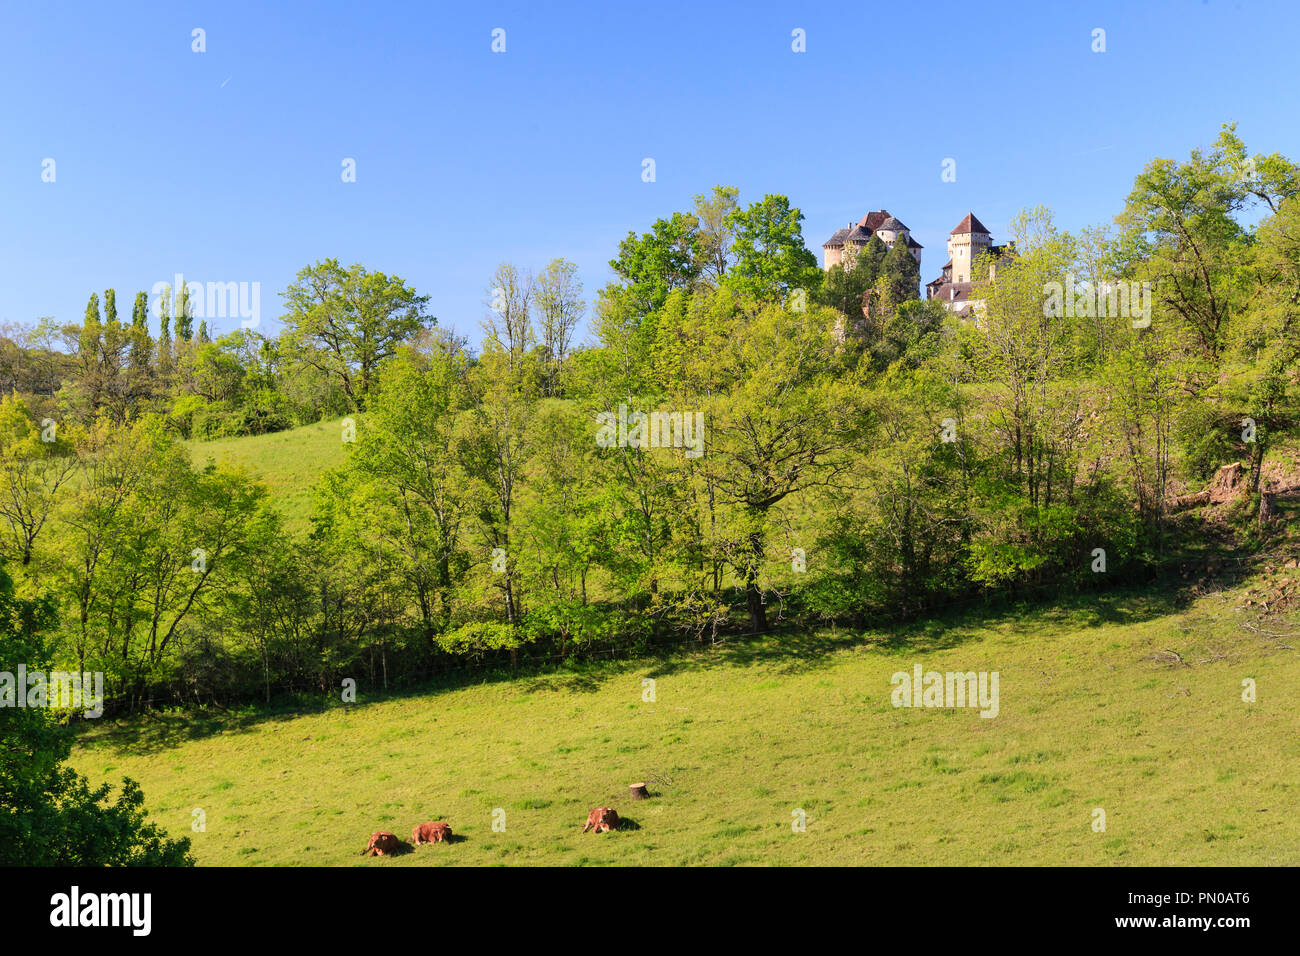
(51, 815)
(746, 442)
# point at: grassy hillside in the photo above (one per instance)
(288, 462)
(1131, 703)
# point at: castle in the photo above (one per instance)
(851, 238)
(966, 243)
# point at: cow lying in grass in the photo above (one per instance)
(601, 820)
(431, 833)
(382, 844)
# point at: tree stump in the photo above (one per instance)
(1267, 508)
(638, 791)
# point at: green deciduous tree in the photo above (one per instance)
(713, 213)
(558, 301)
(345, 322)
(52, 816)
(655, 263)
(771, 259)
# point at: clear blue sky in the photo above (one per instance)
(226, 165)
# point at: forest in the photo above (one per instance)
(789, 447)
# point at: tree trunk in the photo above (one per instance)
(754, 601)
(1256, 466)
(753, 593)
(1267, 508)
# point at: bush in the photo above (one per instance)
(50, 815)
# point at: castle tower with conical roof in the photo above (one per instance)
(965, 243)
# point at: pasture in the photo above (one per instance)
(1127, 702)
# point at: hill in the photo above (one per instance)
(289, 462)
(1130, 702)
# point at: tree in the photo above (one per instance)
(783, 426)
(560, 307)
(146, 539)
(657, 262)
(1264, 352)
(771, 259)
(1181, 234)
(165, 356)
(52, 816)
(406, 494)
(141, 351)
(33, 467)
(90, 349)
(846, 285)
(563, 527)
(116, 391)
(112, 325)
(184, 324)
(493, 442)
(713, 213)
(1025, 352)
(344, 322)
(509, 318)
(897, 542)
(901, 274)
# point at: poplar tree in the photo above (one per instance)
(184, 314)
(89, 350)
(92, 331)
(165, 332)
(113, 354)
(141, 344)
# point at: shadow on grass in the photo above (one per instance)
(798, 650)
(403, 849)
(791, 649)
(450, 838)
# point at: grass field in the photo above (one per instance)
(289, 462)
(1096, 711)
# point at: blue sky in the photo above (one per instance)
(226, 165)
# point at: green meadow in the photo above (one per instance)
(1130, 703)
(289, 463)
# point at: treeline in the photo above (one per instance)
(801, 456)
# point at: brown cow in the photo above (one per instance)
(382, 844)
(431, 833)
(601, 820)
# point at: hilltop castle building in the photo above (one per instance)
(842, 248)
(966, 243)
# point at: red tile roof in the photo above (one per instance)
(969, 224)
(872, 220)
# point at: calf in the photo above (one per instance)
(431, 833)
(601, 820)
(382, 844)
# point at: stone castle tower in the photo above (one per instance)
(969, 240)
(966, 243)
